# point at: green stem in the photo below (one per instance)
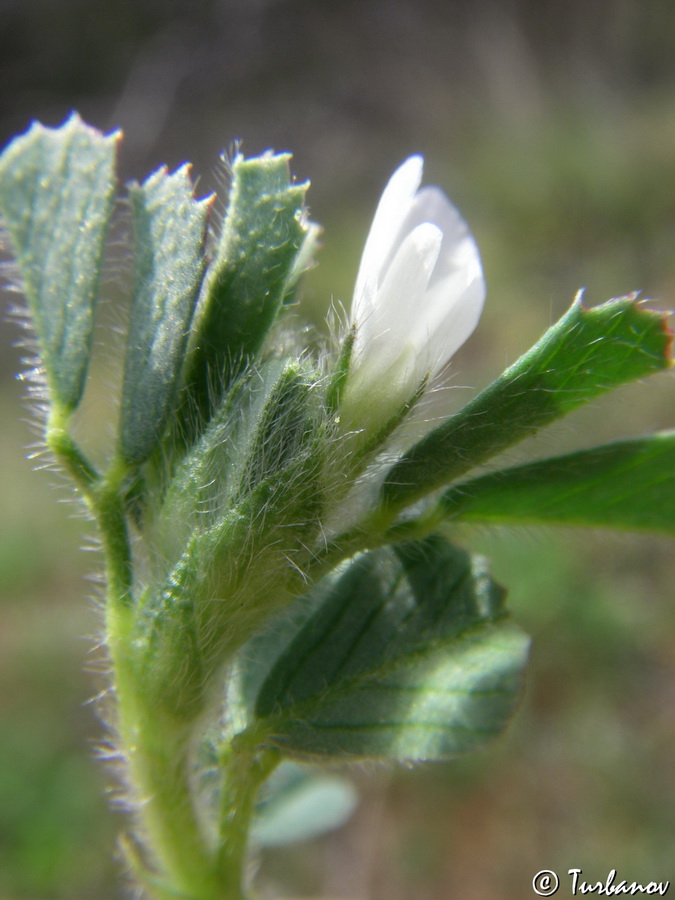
(109, 509)
(426, 523)
(103, 498)
(67, 452)
(244, 768)
(158, 753)
(157, 750)
(157, 743)
(156, 746)
(356, 540)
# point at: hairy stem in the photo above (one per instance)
(157, 754)
(155, 746)
(67, 452)
(244, 767)
(178, 860)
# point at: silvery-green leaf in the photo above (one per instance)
(265, 244)
(409, 657)
(56, 198)
(169, 229)
(299, 803)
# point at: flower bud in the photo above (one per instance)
(419, 294)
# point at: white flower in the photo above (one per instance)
(419, 294)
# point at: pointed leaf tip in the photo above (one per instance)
(588, 352)
(265, 244)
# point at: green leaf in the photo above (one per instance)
(588, 352)
(256, 659)
(409, 657)
(628, 484)
(169, 231)
(299, 803)
(56, 197)
(265, 427)
(265, 245)
(233, 538)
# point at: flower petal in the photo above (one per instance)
(419, 294)
(389, 328)
(431, 205)
(454, 298)
(452, 317)
(392, 210)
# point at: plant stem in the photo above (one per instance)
(156, 744)
(66, 451)
(244, 767)
(109, 508)
(157, 752)
(157, 749)
(103, 498)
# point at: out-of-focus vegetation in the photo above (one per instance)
(553, 127)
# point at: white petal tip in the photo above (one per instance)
(409, 173)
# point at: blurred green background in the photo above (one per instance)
(552, 125)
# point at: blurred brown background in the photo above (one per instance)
(552, 125)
